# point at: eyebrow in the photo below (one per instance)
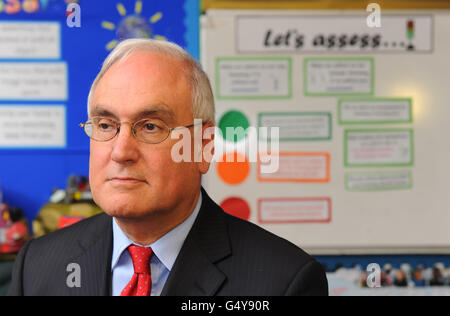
(151, 111)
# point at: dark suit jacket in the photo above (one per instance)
(222, 255)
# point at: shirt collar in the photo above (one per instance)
(166, 248)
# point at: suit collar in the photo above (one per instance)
(194, 271)
(94, 258)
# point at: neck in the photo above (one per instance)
(146, 230)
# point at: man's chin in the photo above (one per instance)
(131, 213)
(126, 214)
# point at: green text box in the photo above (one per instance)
(299, 114)
(342, 121)
(250, 72)
(386, 181)
(410, 162)
(340, 59)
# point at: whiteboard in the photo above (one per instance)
(395, 201)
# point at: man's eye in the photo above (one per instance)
(151, 127)
(105, 126)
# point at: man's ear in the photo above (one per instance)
(208, 134)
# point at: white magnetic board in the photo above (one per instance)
(364, 150)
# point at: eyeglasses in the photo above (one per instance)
(150, 131)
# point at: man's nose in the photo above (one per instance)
(125, 146)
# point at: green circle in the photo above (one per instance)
(239, 124)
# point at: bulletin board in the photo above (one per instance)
(46, 70)
(362, 114)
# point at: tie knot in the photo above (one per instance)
(141, 258)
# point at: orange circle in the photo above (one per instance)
(234, 168)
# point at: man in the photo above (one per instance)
(161, 234)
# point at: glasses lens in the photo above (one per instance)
(101, 129)
(152, 131)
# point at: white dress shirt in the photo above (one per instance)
(165, 252)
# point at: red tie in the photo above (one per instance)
(141, 282)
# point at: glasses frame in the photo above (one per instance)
(133, 129)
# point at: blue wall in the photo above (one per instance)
(28, 176)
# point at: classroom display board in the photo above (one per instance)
(49, 56)
(358, 116)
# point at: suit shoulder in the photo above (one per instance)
(43, 262)
(246, 236)
(262, 263)
(63, 239)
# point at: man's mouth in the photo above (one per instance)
(125, 180)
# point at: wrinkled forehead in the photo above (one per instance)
(144, 83)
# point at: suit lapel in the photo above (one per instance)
(194, 272)
(94, 260)
(193, 275)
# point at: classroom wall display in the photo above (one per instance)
(47, 64)
(361, 118)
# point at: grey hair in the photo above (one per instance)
(202, 96)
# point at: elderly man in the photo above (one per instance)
(161, 234)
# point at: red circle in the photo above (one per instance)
(237, 207)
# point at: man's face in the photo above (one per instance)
(129, 178)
